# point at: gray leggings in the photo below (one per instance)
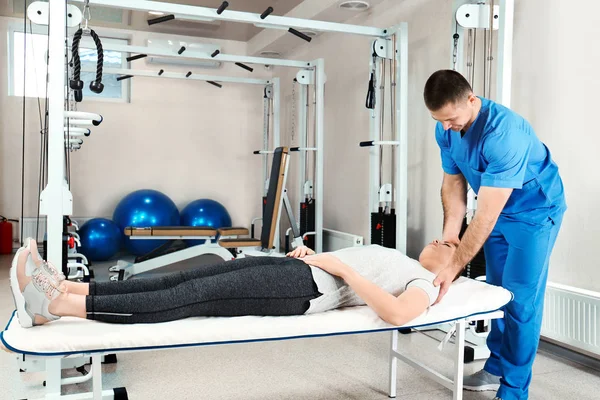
(248, 286)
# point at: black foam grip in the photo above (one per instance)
(96, 123)
(181, 50)
(215, 84)
(267, 12)
(123, 77)
(162, 71)
(256, 152)
(78, 96)
(367, 144)
(188, 74)
(158, 20)
(136, 57)
(244, 66)
(222, 7)
(215, 53)
(299, 34)
(294, 148)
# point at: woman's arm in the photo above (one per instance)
(393, 310)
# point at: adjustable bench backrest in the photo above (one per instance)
(272, 212)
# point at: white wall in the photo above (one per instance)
(187, 139)
(555, 83)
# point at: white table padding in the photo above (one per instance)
(465, 298)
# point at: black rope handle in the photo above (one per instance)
(100, 51)
(76, 83)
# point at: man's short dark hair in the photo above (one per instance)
(445, 87)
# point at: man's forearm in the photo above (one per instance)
(454, 203)
(472, 241)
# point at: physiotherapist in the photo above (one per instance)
(520, 207)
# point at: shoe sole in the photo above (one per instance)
(482, 388)
(24, 318)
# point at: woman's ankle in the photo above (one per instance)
(58, 305)
(68, 305)
(75, 287)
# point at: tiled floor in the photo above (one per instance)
(347, 367)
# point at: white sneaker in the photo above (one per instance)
(481, 381)
(32, 294)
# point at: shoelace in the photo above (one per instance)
(45, 284)
(51, 269)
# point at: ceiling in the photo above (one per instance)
(217, 29)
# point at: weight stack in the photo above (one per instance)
(383, 228)
(476, 267)
(307, 221)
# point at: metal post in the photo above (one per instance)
(320, 132)
(375, 151)
(97, 376)
(302, 135)
(456, 28)
(393, 364)
(276, 137)
(276, 113)
(459, 359)
(505, 39)
(265, 147)
(53, 374)
(401, 133)
(56, 200)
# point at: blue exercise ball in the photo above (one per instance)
(101, 239)
(145, 208)
(205, 212)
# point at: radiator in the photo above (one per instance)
(335, 240)
(572, 317)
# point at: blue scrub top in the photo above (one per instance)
(501, 150)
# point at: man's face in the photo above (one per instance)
(456, 116)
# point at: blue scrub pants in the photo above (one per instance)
(517, 255)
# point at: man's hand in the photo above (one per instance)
(300, 252)
(444, 280)
(328, 263)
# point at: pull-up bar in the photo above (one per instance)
(211, 14)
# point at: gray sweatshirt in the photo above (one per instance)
(389, 269)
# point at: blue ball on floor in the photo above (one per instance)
(101, 239)
(145, 208)
(205, 212)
